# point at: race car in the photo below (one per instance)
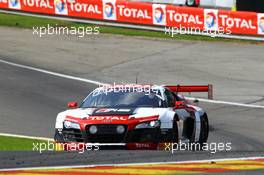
(134, 116)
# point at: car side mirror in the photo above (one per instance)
(196, 101)
(72, 105)
(179, 104)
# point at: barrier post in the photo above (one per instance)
(210, 91)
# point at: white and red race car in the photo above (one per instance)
(135, 116)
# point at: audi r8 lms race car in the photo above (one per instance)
(136, 116)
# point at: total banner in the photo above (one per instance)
(244, 23)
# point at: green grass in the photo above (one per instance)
(30, 22)
(18, 144)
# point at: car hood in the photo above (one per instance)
(131, 112)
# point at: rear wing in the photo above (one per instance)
(193, 88)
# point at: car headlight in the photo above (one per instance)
(68, 124)
(150, 124)
(93, 129)
(120, 129)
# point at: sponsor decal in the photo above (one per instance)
(113, 111)
(159, 14)
(210, 19)
(133, 12)
(108, 118)
(38, 3)
(84, 7)
(109, 9)
(261, 24)
(14, 4)
(60, 7)
(234, 22)
(106, 110)
(183, 18)
(142, 145)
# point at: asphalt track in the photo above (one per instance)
(30, 100)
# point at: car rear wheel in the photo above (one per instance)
(204, 133)
(204, 129)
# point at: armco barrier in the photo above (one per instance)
(244, 23)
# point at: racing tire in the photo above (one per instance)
(58, 137)
(204, 133)
(204, 129)
(175, 133)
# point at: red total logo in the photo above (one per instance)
(184, 17)
(133, 12)
(236, 22)
(83, 7)
(38, 3)
(107, 118)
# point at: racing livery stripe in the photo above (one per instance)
(152, 169)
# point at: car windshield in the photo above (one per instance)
(123, 99)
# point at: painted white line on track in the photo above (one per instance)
(225, 102)
(26, 137)
(50, 139)
(100, 83)
(52, 73)
(128, 164)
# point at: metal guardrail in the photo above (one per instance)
(166, 30)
